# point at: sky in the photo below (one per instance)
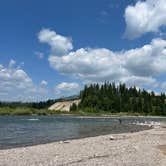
(52, 48)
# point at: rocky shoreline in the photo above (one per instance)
(144, 148)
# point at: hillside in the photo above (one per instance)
(64, 105)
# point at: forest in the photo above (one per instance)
(107, 98)
(35, 105)
(111, 98)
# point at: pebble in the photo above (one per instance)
(112, 138)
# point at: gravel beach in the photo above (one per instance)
(145, 148)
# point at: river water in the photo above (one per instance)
(19, 131)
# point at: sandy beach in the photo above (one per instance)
(145, 148)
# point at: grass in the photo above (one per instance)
(25, 111)
(86, 112)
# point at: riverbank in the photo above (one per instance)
(31, 111)
(145, 148)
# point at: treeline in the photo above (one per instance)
(35, 105)
(111, 98)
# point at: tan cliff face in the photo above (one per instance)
(64, 105)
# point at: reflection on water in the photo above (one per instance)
(16, 131)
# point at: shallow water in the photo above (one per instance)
(18, 131)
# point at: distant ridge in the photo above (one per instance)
(74, 97)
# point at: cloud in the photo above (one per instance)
(163, 86)
(148, 60)
(145, 16)
(59, 44)
(44, 83)
(40, 55)
(139, 67)
(14, 78)
(89, 64)
(15, 84)
(140, 80)
(67, 88)
(12, 63)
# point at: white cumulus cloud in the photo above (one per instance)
(59, 44)
(148, 60)
(14, 78)
(15, 84)
(89, 64)
(145, 16)
(139, 66)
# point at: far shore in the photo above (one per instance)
(45, 112)
(145, 148)
(89, 115)
(113, 115)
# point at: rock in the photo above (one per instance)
(112, 138)
(63, 142)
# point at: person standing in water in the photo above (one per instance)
(120, 121)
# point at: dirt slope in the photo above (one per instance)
(63, 106)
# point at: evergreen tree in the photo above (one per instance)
(109, 97)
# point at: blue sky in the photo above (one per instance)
(50, 49)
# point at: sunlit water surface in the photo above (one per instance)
(18, 131)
